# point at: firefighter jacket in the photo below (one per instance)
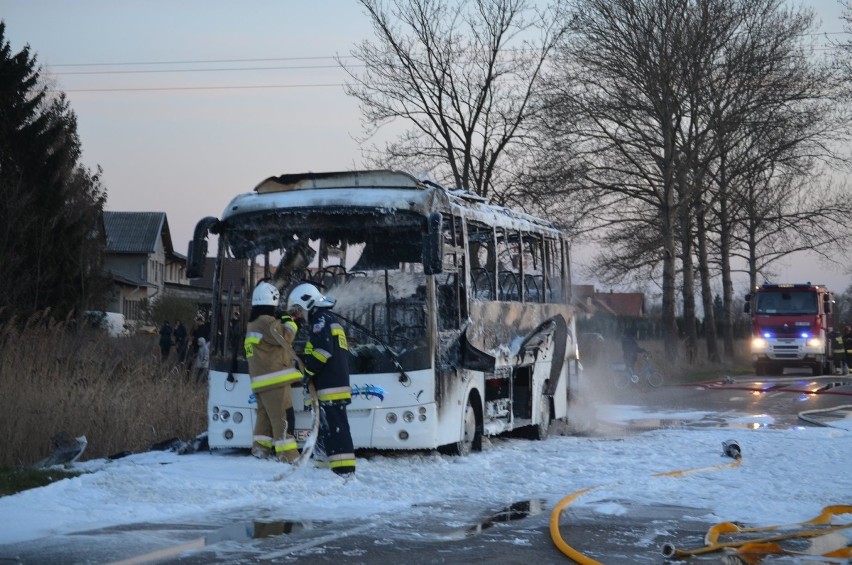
(327, 358)
(838, 345)
(269, 350)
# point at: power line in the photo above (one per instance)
(149, 71)
(174, 88)
(198, 62)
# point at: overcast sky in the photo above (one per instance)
(185, 104)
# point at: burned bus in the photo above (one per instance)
(457, 311)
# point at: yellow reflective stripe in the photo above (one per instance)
(275, 378)
(290, 324)
(263, 441)
(321, 355)
(339, 396)
(338, 393)
(252, 339)
(349, 462)
(337, 329)
(309, 372)
(285, 445)
(309, 349)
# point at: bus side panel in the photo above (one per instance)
(231, 410)
(495, 326)
(457, 388)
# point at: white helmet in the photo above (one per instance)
(308, 297)
(265, 294)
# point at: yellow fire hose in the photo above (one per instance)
(730, 528)
(556, 536)
(760, 546)
(670, 550)
(731, 449)
(766, 545)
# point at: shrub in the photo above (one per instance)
(82, 382)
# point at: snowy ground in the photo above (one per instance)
(787, 476)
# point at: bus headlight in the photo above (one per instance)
(758, 344)
(391, 418)
(816, 343)
(238, 417)
(408, 416)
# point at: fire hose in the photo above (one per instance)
(755, 546)
(730, 448)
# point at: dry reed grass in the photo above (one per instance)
(114, 391)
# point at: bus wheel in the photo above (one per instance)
(539, 431)
(471, 437)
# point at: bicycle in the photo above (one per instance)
(646, 372)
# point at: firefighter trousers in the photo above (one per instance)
(335, 440)
(272, 435)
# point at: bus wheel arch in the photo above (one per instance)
(471, 439)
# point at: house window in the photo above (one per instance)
(130, 309)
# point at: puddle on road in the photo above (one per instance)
(646, 424)
(257, 529)
(511, 513)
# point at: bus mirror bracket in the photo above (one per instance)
(197, 251)
(433, 245)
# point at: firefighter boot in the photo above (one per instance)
(260, 452)
(289, 456)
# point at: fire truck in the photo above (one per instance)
(790, 327)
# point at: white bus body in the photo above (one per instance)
(457, 312)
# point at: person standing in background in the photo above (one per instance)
(165, 341)
(179, 334)
(202, 361)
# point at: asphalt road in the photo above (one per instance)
(515, 535)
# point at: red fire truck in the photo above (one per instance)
(790, 327)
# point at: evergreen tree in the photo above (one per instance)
(51, 235)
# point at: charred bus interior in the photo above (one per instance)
(370, 261)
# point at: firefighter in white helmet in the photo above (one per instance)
(271, 361)
(326, 365)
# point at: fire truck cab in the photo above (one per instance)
(790, 326)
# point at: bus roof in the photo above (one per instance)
(384, 189)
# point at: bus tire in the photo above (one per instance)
(471, 439)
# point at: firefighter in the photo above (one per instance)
(269, 350)
(326, 365)
(838, 351)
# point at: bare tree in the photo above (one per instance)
(682, 106)
(462, 76)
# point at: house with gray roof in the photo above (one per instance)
(141, 259)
